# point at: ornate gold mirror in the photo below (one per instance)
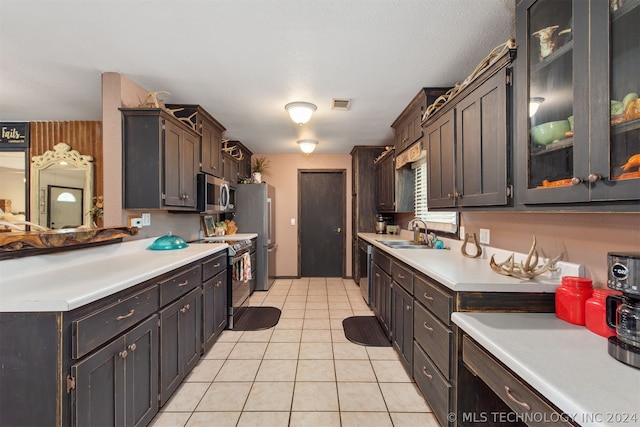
(61, 188)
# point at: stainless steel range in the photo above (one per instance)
(241, 277)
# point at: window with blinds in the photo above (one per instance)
(442, 221)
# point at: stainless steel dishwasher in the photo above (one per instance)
(365, 251)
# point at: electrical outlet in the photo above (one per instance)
(485, 236)
(146, 219)
(134, 221)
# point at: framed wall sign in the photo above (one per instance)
(14, 134)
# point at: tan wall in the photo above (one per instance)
(583, 238)
(284, 177)
(118, 91)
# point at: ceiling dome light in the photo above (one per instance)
(307, 145)
(300, 112)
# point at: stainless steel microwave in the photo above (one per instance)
(214, 195)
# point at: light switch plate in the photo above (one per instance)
(146, 219)
(485, 236)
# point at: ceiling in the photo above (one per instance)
(243, 60)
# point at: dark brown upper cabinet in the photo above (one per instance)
(407, 127)
(467, 142)
(160, 160)
(578, 62)
(211, 132)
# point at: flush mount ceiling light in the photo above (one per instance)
(300, 112)
(307, 145)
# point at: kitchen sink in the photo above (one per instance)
(403, 244)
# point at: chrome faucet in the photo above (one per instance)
(413, 225)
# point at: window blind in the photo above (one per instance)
(442, 221)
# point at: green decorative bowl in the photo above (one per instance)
(546, 133)
(168, 242)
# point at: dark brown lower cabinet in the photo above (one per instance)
(118, 384)
(402, 325)
(214, 308)
(382, 297)
(514, 396)
(180, 324)
(438, 392)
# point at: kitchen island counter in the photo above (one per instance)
(567, 364)
(68, 280)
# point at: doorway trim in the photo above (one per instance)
(343, 207)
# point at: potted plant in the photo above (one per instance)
(259, 166)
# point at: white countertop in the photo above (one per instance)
(459, 273)
(567, 364)
(67, 280)
(231, 237)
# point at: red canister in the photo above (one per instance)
(571, 297)
(595, 313)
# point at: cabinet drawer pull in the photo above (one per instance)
(400, 276)
(216, 265)
(427, 327)
(427, 297)
(377, 274)
(124, 316)
(123, 354)
(133, 347)
(426, 374)
(185, 283)
(525, 405)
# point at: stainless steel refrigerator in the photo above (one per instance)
(255, 209)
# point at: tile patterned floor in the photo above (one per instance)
(302, 372)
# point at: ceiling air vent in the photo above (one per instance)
(340, 104)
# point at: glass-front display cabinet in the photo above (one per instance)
(578, 113)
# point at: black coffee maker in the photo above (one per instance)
(623, 312)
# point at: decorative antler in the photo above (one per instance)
(152, 100)
(524, 270)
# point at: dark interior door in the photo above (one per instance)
(322, 222)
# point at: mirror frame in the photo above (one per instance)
(62, 152)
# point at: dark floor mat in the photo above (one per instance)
(257, 318)
(365, 330)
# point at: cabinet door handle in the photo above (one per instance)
(133, 347)
(185, 283)
(184, 309)
(124, 316)
(123, 354)
(427, 297)
(408, 307)
(426, 374)
(576, 180)
(427, 327)
(377, 274)
(525, 405)
(217, 285)
(594, 177)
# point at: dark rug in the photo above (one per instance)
(257, 318)
(365, 330)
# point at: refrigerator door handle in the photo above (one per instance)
(269, 221)
(272, 248)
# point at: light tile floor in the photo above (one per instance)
(302, 372)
